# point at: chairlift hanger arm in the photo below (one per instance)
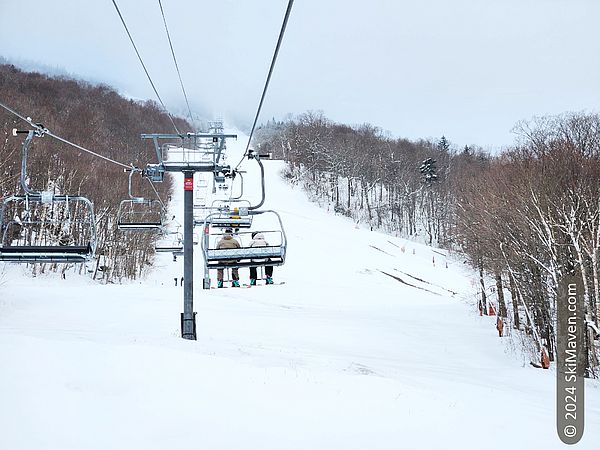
(256, 157)
(24, 153)
(238, 172)
(39, 131)
(129, 190)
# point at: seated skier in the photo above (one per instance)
(258, 240)
(227, 241)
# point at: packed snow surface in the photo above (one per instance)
(342, 355)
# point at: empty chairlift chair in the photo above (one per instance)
(145, 215)
(138, 213)
(47, 232)
(41, 227)
(173, 245)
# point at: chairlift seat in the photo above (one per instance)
(169, 249)
(139, 225)
(46, 253)
(245, 256)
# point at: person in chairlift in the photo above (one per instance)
(227, 241)
(258, 240)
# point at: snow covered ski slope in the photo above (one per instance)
(341, 356)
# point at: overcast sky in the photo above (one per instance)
(466, 69)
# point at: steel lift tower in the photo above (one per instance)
(194, 152)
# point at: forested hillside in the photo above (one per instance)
(97, 118)
(524, 219)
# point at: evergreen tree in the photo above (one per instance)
(443, 144)
(428, 171)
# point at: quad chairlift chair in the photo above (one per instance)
(41, 227)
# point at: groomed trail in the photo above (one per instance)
(372, 343)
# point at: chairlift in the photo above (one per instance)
(230, 215)
(175, 245)
(139, 213)
(47, 232)
(41, 227)
(273, 255)
(140, 216)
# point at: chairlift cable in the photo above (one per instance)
(262, 98)
(49, 133)
(144, 66)
(175, 61)
(12, 111)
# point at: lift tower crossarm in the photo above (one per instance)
(216, 138)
